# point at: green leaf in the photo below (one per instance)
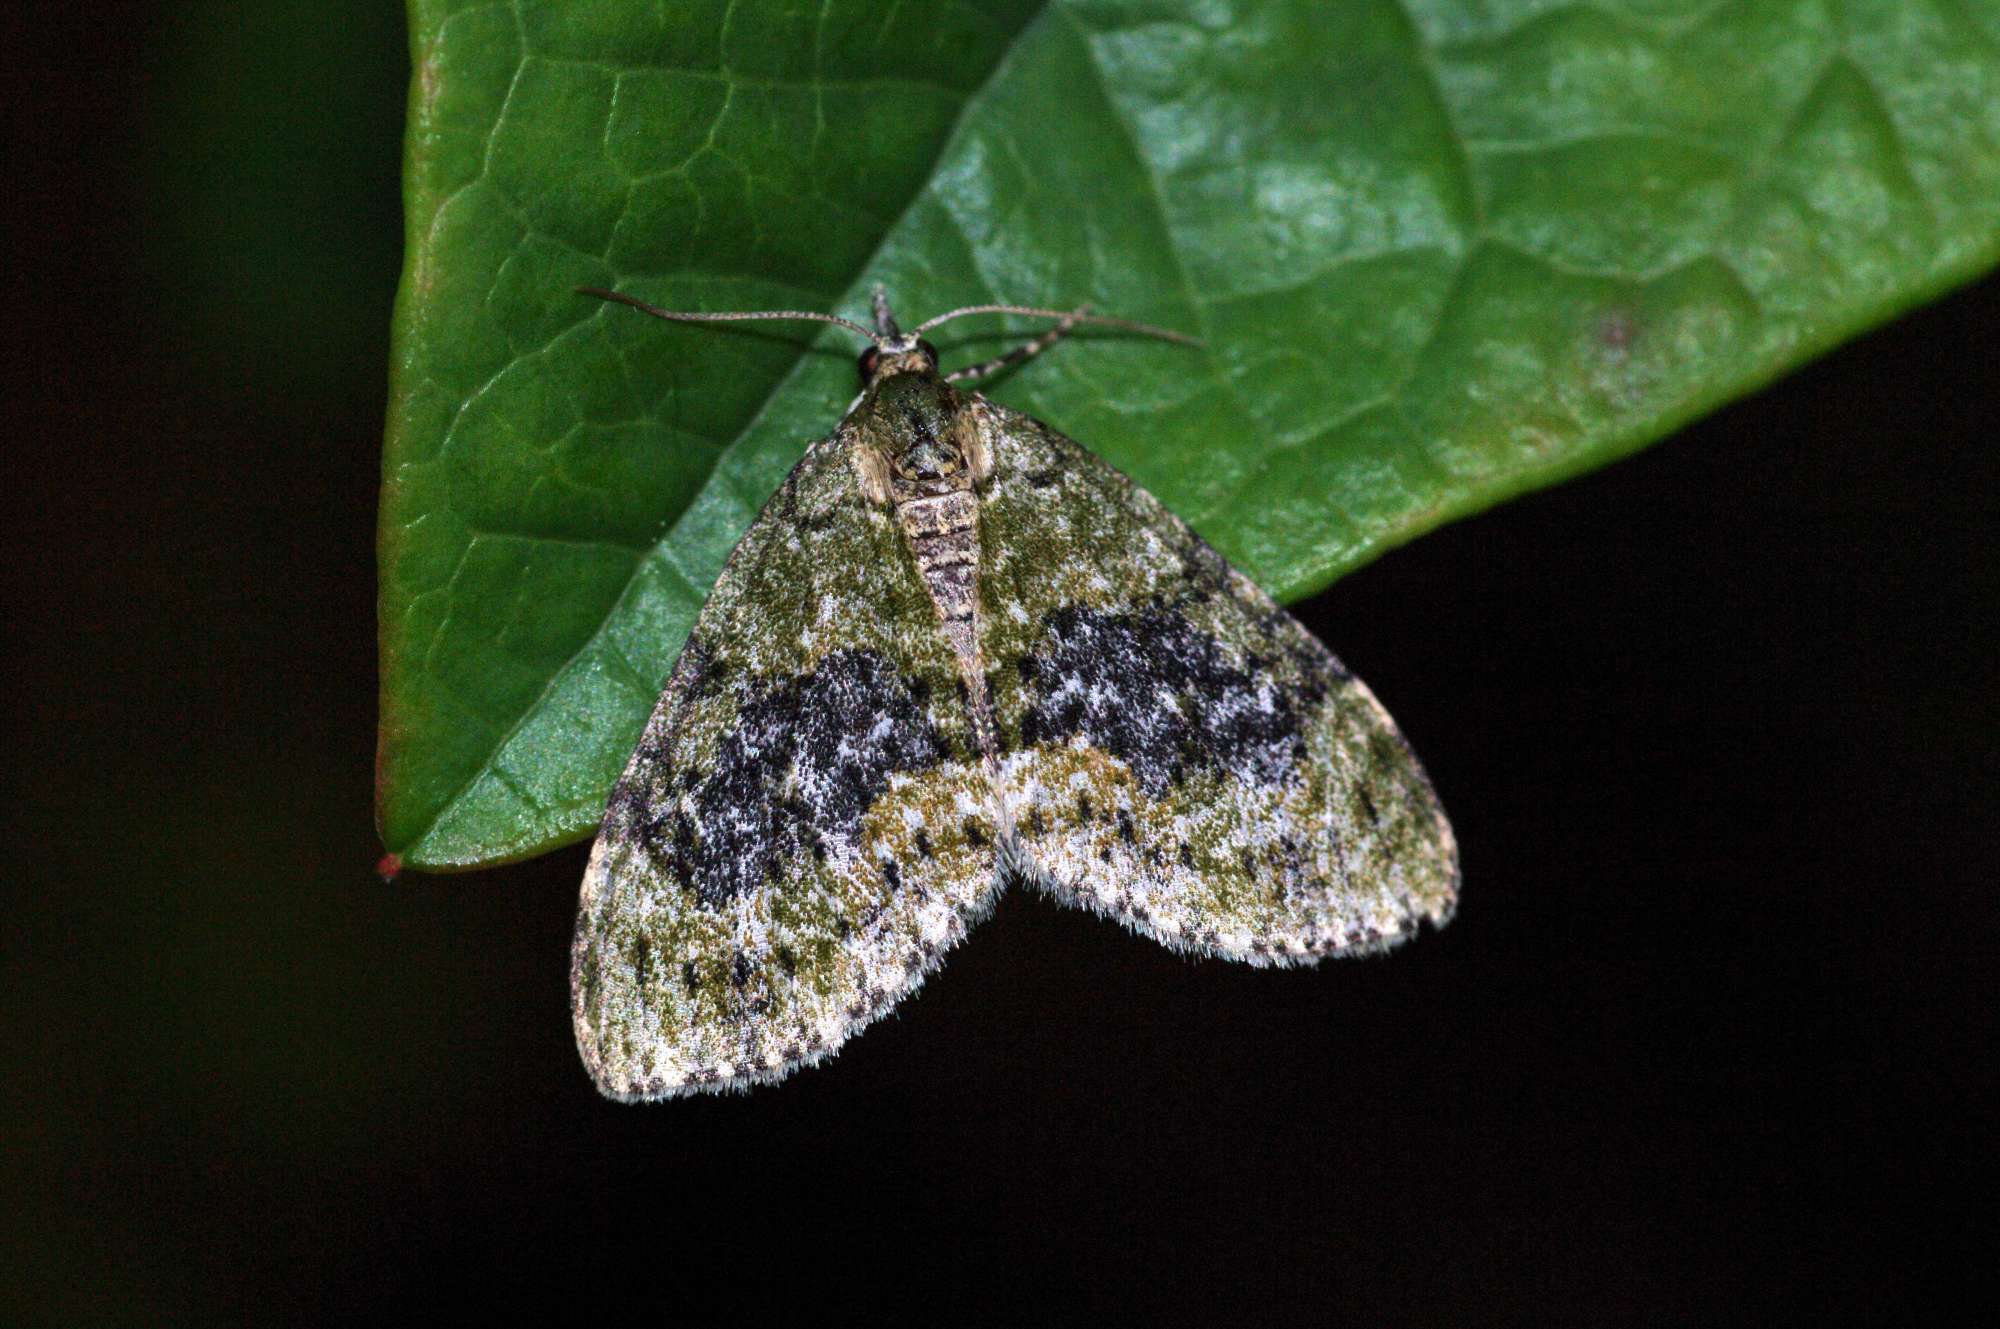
(1441, 252)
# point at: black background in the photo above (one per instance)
(1710, 1037)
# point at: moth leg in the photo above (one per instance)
(1025, 351)
(885, 322)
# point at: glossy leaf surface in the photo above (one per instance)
(1441, 252)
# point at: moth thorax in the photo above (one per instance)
(929, 461)
(911, 422)
(948, 461)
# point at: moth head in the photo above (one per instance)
(897, 355)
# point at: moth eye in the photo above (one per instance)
(869, 359)
(930, 352)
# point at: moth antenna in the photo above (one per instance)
(1070, 316)
(686, 316)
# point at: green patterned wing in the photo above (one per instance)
(804, 828)
(1181, 754)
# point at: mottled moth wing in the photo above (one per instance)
(804, 826)
(1181, 753)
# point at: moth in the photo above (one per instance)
(956, 650)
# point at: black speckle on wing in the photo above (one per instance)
(1159, 694)
(804, 760)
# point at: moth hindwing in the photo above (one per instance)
(956, 649)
